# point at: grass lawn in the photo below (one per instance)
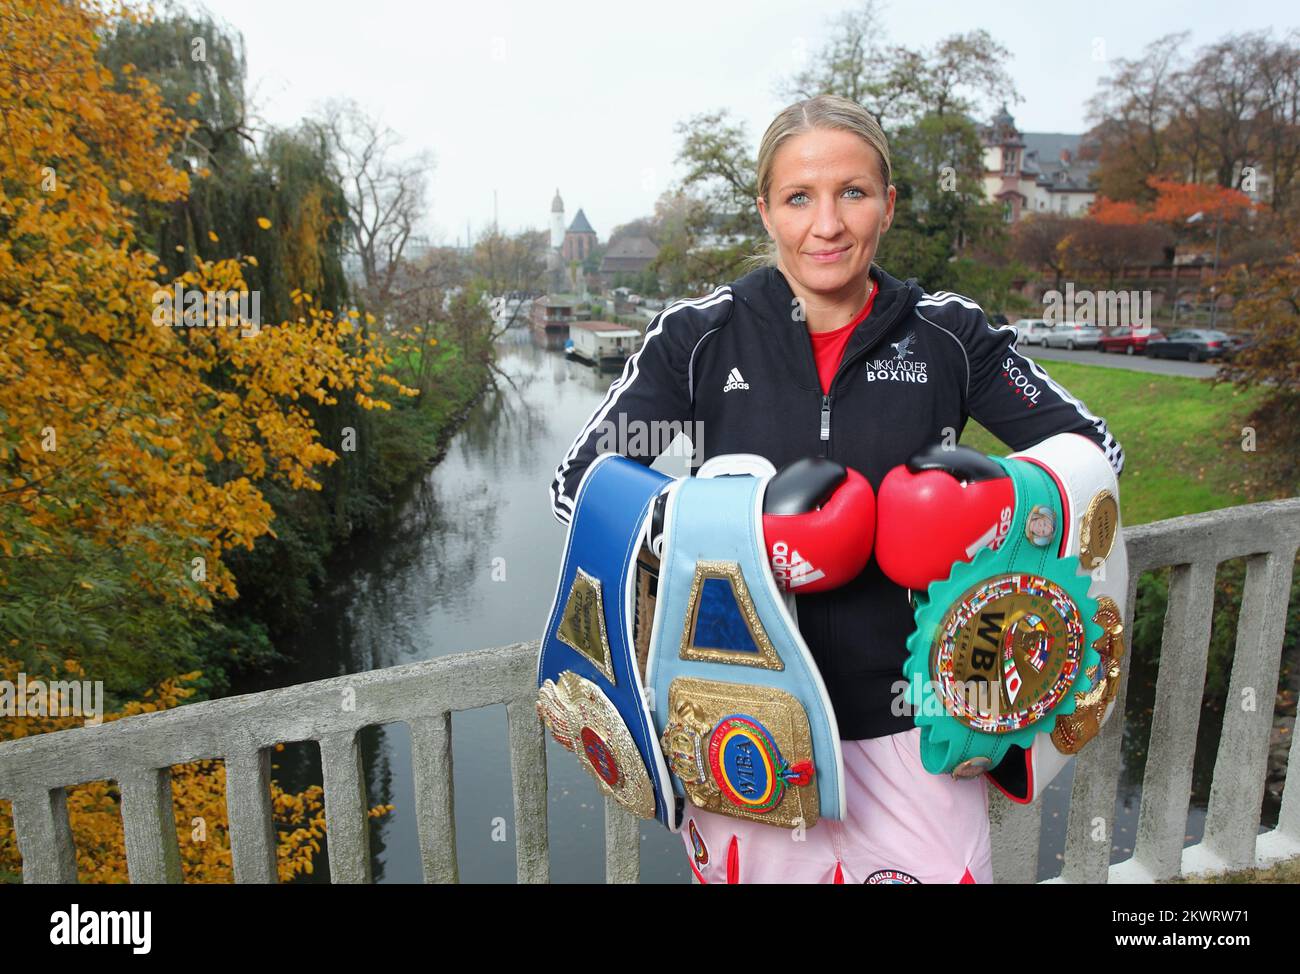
(1182, 439)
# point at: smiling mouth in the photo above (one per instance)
(826, 254)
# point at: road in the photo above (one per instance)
(1135, 363)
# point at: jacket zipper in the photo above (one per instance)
(825, 428)
(826, 424)
(826, 399)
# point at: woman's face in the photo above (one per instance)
(827, 209)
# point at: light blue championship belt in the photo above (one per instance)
(679, 674)
(1004, 644)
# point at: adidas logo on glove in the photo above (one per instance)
(735, 381)
(791, 568)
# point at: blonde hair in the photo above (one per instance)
(822, 112)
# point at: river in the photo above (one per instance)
(430, 584)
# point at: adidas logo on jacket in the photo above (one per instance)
(735, 381)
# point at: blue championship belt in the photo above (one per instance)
(676, 672)
(589, 684)
(1007, 646)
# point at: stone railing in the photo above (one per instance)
(138, 752)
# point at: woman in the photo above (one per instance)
(820, 352)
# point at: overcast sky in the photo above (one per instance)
(523, 97)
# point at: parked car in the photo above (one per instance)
(1072, 335)
(1193, 344)
(1130, 341)
(1238, 340)
(1032, 331)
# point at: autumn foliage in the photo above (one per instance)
(1175, 203)
(123, 430)
(137, 438)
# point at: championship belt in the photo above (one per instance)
(747, 726)
(680, 674)
(1089, 492)
(1016, 653)
(589, 684)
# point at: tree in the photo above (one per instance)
(921, 97)
(1229, 114)
(1039, 240)
(1133, 108)
(855, 64)
(1111, 248)
(681, 219)
(385, 194)
(505, 262)
(200, 71)
(1267, 309)
(899, 85)
(130, 423)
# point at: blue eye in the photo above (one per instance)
(851, 189)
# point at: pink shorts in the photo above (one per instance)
(903, 825)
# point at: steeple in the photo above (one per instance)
(580, 223)
(557, 220)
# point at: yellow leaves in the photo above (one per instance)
(140, 430)
(193, 98)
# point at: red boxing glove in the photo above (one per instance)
(818, 521)
(938, 509)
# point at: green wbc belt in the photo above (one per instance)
(1003, 644)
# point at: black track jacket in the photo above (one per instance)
(739, 365)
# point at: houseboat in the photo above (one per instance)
(602, 343)
(551, 318)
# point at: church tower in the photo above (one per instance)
(557, 220)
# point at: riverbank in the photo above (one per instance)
(281, 578)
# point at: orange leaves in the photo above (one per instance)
(115, 423)
(1115, 212)
(1175, 203)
